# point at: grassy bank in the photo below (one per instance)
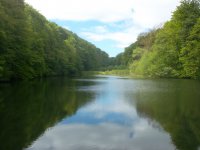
(115, 72)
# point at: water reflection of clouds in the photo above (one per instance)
(109, 104)
(110, 122)
(105, 136)
(98, 127)
(105, 110)
(116, 106)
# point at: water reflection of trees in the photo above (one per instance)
(176, 108)
(28, 109)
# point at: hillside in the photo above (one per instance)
(31, 46)
(170, 51)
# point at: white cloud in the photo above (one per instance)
(103, 10)
(123, 37)
(144, 12)
(143, 15)
(150, 13)
(101, 29)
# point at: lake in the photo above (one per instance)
(100, 113)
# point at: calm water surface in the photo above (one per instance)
(100, 113)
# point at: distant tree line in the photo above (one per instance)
(31, 46)
(172, 51)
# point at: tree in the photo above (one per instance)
(31, 46)
(190, 54)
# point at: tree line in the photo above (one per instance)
(170, 51)
(31, 46)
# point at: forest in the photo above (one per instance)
(169, 51)
(31, 46)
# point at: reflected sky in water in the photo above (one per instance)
(108, 122)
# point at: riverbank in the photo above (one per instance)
(121, 72)
(127, 73)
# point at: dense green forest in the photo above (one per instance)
(31, 46)
(171, 51)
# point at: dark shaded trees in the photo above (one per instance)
(31, 46)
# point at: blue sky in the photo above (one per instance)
(111, 25)
(106, 36)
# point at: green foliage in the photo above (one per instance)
(146, 40)
(116, 63)
(166, 46)
(190, 54)
(90, 57)
(142, 67)
(137, 53)
(117, 72)
(186, 17)
(31, 46)
(172, 51)
(127, 53)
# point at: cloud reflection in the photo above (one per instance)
(105, 136)
(104, 128)
(108, 123)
